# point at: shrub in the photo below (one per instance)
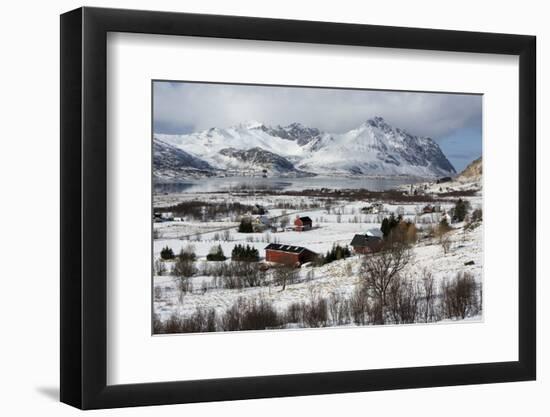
(404, 232)
(158, 326)
(200, 321)
(246, 226)
(443, 227)
(475, 220)
(160, 267)
(250, 315)
(260, 315)
(167, 253)
(460, 210)
(294, 314)
(338, 307)
(308, 314)
(216, 254)
(477, 215)
(187, 253)
(459, 296)
(403, 301)
(249, 273)
(316, 312)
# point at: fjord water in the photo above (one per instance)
(234, 184)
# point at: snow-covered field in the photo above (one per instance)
(335, 226)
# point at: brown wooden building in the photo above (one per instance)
(303, 223)
(288, 254)
(366, 244)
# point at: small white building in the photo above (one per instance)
(168, 216)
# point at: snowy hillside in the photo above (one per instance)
(373, 149)
(472, 172)
(170, 162)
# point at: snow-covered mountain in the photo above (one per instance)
(258, 158)
(171, 163)
(372, 149)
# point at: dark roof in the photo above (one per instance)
(305, 219)
(286, 248)
(365, 240)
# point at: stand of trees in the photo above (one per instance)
(397, 230)
(245, 253)
(216, 254)
(167, 253)
(388, 223)
(336, 253)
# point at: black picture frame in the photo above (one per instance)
(84, 207)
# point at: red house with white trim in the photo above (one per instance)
(302, 224)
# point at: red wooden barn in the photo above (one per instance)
(302, 223)
(288, 255)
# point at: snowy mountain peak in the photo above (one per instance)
(375, 148)
(378, 122)
(250, 124)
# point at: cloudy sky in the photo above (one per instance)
(453, 120)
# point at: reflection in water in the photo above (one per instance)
(236, 184)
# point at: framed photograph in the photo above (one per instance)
(258, 208)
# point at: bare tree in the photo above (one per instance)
(446, 243)
(428, 286)
(284, 221)
(338, 307)
(285, 275)
(403, 301)
(358, 306)
(184, 269)
(160, 267)
(379, 271)
(459, 296)
(158, 293)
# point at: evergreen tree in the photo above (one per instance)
(460, 210)
(389, 223)
(336, 253)
(246, 226)
(216, 254)
(167, 253)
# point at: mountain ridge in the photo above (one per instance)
(374, 148)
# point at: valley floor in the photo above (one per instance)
(337, 280)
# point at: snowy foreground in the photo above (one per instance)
(337, 280)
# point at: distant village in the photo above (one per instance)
(363, 243)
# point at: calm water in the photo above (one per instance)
(281, 184)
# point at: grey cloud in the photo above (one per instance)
(184, 107)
